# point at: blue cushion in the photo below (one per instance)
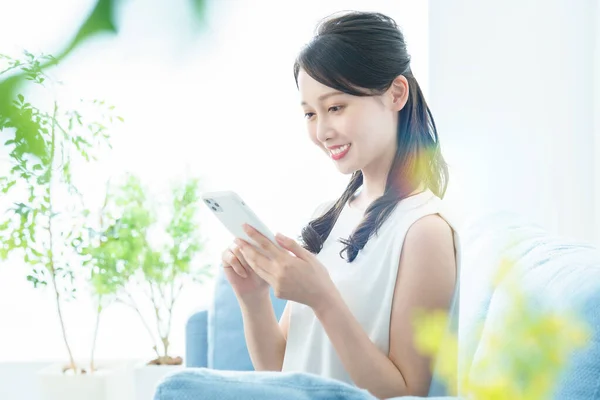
(201, 383)
(581, 380)
(555, 273)
(196, 340)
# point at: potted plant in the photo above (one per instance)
(148, 275)
(47, 213)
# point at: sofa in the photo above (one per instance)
(556, 272)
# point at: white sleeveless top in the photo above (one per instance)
(366, 285)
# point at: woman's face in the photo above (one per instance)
(355, 132)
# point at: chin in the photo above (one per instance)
(346, 166)
(346, 170)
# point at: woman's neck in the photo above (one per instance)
(372, 189)
(375, 178)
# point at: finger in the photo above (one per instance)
(261, 272)
(259, 263)
(265, 244)
(294, 247)
(240, 257)
(236, 251)
(232, 261)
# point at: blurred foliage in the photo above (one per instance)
(522, 360)
(44, 221)
(33, 182)
(100, 21)
(122, 257)
(42, 145)
(115, 250)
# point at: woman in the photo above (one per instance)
(379, 252)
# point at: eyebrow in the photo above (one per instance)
(325, 96)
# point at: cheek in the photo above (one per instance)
(356, 130)
(383, 130)
(312, 134)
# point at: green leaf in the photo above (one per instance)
(33, 280)
(6, 188)
(21, 98)
(36, 253)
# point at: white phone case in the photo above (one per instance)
(233, 212)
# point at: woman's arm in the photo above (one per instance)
(266, 344)
(426, 279)
(265, 338)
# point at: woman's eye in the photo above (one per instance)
(331, 109)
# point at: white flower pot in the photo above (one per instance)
(111, 381)
(18, 379)
(146, 377)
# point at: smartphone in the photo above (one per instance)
(233, 213)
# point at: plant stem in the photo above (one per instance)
(62, 323)
(137, 310)
(92, 367)
(170, 316)
(51, 244)
(165, 342)
(99, 311)
(156, 313)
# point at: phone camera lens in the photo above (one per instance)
(217, 204)
(207, 201)
(214, 208)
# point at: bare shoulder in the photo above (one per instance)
(430, 228)
(429, 243)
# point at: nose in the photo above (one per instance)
(324, 130)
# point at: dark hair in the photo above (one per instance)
(361, 53)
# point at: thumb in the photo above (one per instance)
(293, 246)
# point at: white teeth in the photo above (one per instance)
(339, 149)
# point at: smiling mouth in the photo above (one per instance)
(339, 152)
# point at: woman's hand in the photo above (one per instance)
(244, 281)
(293, 272)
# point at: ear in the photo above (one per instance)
(398, 93)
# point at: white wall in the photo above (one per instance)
(511, 87)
